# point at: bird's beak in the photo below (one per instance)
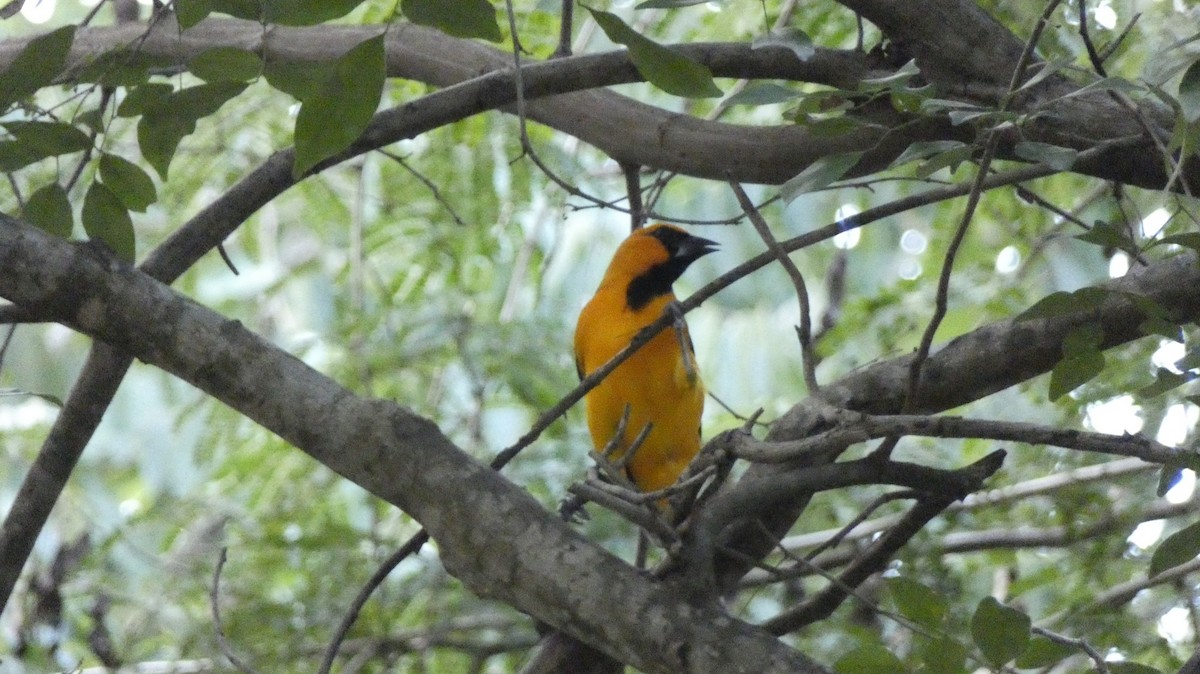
(695, 247)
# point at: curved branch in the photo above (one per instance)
(533, 561)
(968, 368)
(853, 428)
(637, 133)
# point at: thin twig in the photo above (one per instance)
(564, 30)
(1093, 55)
(214, 599)
(804, 330)
(1080, 643)
(522, 114)
(429, 184)
(853, 427)
(633, 188)
(991, 143)
(1116, 43)
(872, 560)
(836, 539)
(410, 547)
(7, 341)
(644, 517)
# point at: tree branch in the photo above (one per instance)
(534, 562)
(636, 133)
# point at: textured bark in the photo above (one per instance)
(492, 535)
(972, 62)
(402, 454)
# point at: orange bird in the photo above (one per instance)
(659, 383)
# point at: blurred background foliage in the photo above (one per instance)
(446, 274)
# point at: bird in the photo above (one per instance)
(660, 383)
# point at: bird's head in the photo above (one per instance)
(651, 260)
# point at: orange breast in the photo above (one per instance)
(654, 383)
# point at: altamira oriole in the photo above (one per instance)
(657, 383)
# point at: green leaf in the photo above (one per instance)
(121, 67)
(1045, 69)
(943, 655)
(49, 210)
(42, 59)
(869, 659)
(1161, 327)
(1107, 235)
(832, 126)
(461, 18)
(143, 97)
(1063, 303)
(128, 181)
(1189, 92)
(105, 218)
(906, 101)
(1082, 360)
(664, 68)
(313, 12)
(191, 12)
(165, 123)
(1042, 652)
(1190, 360)
(335, 113)
(1171, 471)
(917, 602)
(1181, 546)
(924, 149)
(898, 78)
(34, 141)
(947, 159)
(1164, 381)
(251, 10)
(764, 93)
(1189, 240)
(1060, 158)
(789, 38)
(1000, 632)
(226, 64)
(819, 174)
(301, 81)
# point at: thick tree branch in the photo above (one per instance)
(492, 535)
(636, 133)
(966, 369)
(852, 428)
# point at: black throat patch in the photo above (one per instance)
(654, 282)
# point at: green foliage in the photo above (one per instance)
(128, 182)
(34, 141)
(36, 66)
(1181, 546)
(664, 68)
(1042, 652)
(286, 12)
(226, 64)
(794, 39)
(869, 659)
(917, 602)
(1000, 632)
(467, 18)
(1082, 360)
(107, 219)
(166, 121)
(819, 174)
(49, 209)
(459, 301)
(337, 101)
